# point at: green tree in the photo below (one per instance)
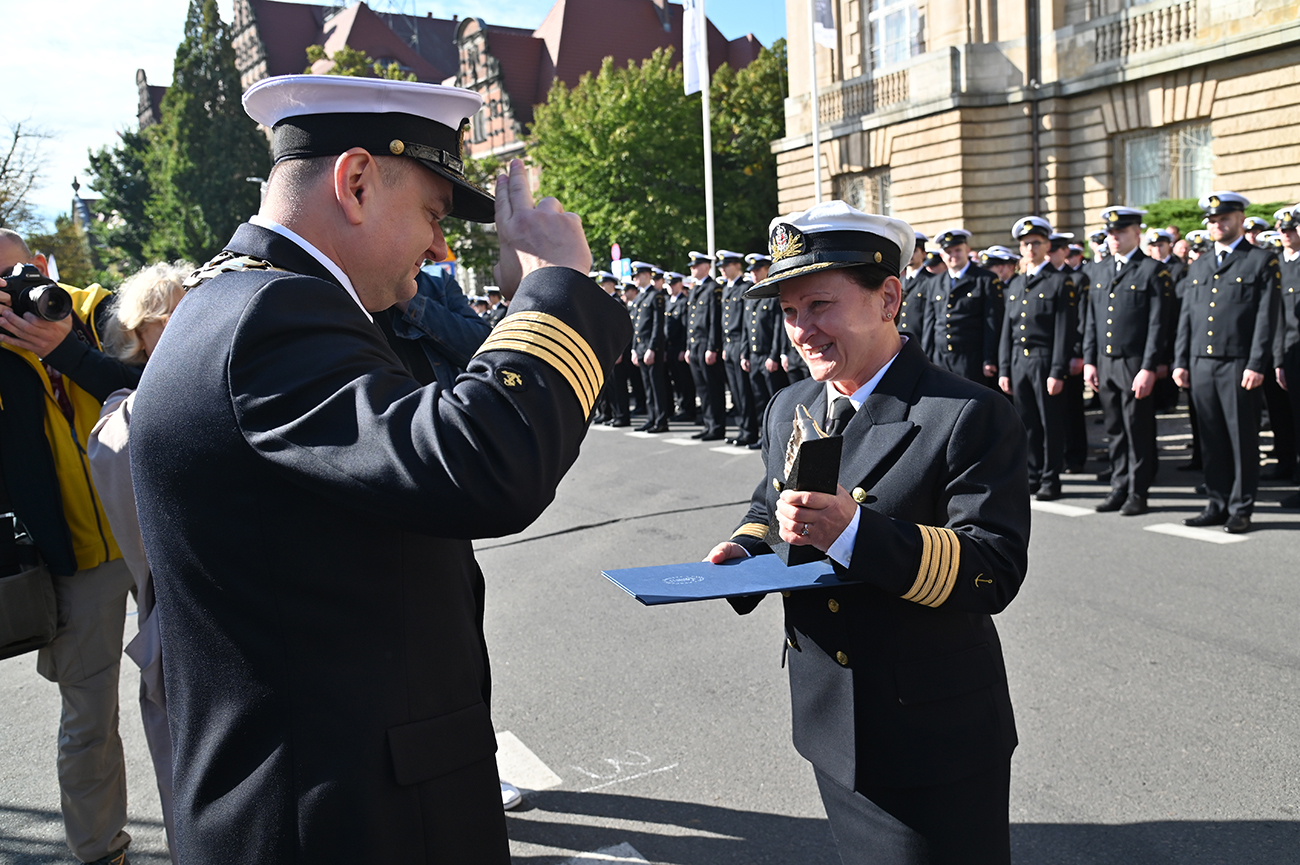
(120, 174)
(623, 149)
(357, 64)
(476, 245)
(70, 248)
(204, 148)
(748, 115)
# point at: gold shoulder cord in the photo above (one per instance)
(227, 262)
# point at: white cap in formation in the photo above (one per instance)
(699, 257)
(1223, 202)
(603, 276)
(758, 259)
(1288, 218)
(834, 235)
(722, 256)
(1031, 225)
(642, 267)
(951, 237)
(326, 115)
(998, 253)
(673, 276)
(1157, 235)
(1120, 217)
(1255, 223)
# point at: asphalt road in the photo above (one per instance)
(1156, 681)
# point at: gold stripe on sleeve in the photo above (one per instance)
(559, 364)
(525, 328)
(752, 530)
(546, 340)
(950, 579)
(929, 555)
(579, 344)
(940, 568)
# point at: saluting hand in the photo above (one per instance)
(534, 236)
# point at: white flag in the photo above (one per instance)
(824, 24)
(695, 46)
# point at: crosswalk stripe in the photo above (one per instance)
(684, 442)
(521, 767)
(620, 853)
(1213, 536)
(641, 435)
(1060, 509)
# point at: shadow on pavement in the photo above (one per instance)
(34, 836)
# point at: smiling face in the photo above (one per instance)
(956, 256)
(401, 230)
(844, 332)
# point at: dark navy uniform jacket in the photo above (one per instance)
(308, 511)
(764, 319)
(1041, 319)
(1230, 310)
(704, 319)
(649, 314)
(911, 311)
(964, 318)
(1125, 316)
(733, 318)
(678, 309)
(1287, 332)
(900, 681)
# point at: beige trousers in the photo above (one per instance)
(84, 660)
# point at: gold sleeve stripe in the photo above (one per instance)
(559, 364)
(579, 344)
(546, 340)
(940, 561)
(753, 530)
(582, 359)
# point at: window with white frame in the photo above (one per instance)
(895, 32)
(1168, 163)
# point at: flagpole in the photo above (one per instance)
(816, 114)
(708, 133)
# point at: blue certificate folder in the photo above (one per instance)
(702, 581)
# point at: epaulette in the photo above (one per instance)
(227, 262)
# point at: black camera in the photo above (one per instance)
(31, 291)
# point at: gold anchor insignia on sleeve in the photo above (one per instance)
(980, 578)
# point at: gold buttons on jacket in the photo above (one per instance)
(777, 485)
(842, 658)
(785, 594)
(834, 605)
(859, 495)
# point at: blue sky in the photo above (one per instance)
(75, 74)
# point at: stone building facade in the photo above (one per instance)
(947, 113)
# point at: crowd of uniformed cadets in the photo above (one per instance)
(1213, 315)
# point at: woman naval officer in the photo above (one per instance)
(898, 688)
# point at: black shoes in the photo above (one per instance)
(756, 446)
(657, 429)
(645, 427)
(1209, 517)
(712, 436)
(1134, 506)
(1112, 502)
(1237, 524)
(619, 422)
(1047, 494)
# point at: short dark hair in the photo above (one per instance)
(867, 276)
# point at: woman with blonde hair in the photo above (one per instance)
(141, 310)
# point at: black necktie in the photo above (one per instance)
(1119, 265)
(1219, 257)
(842, 412)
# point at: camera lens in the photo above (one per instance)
(50, 302)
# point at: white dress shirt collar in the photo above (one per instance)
(959, 274)
(307, 247)
(1227, 247)
(1290, 256)
(1035, 270)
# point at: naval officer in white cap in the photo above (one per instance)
(308, 508)
(898, 688)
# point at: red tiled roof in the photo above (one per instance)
(286, 30)
(520, 57)
(358, 27)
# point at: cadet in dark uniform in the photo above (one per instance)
(911, 313)
(1253, 227)
(1002, 261)
(897, 686)
(321, 609)
(649, 348)
(963, 313)
(1225, 342)
(632, 291)
(1059, 249)
(763, 316)
(1034, 354)
(736, 346)
(1122, 344)
(679, 370)
(497, 306)
(704, 349)
(1286, 343)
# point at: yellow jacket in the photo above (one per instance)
(92, 540)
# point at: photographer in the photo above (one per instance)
(53, 379)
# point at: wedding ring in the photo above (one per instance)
(804, 533)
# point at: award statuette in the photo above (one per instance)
(812, 464)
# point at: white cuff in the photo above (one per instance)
(842, 550)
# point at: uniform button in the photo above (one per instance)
(834, 606)
(1108, 334)
(1026, 352)
(1209, 349)
(1022, 339)
(842, 658)
(785, 594)
(792, 644)
(1214, 290)
(1108, 321)
(1211, 318)
(1024, 301)
(1112, 294)
(777, 485)
(1040, 294)
(1110, 309)
(949, 348)
(1023, 314)
(1209, 333)
(1211, 304)
(1216, 276)
(1022, 327)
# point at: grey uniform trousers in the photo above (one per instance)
(84, 661)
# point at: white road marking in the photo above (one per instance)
(731, 449)
(600, 427)
(629, 778)
(521, 767)
(1213, 536)
(1060, 509)
(683, 442)
(1175, 437)
(642, 435)
(621, 853)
